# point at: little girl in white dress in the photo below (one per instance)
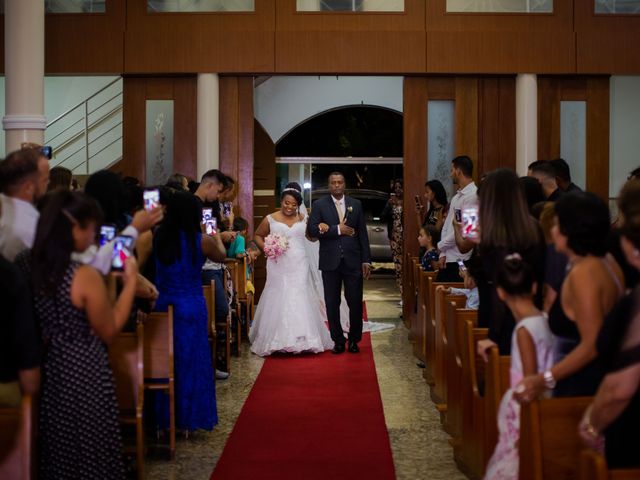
(531, 353)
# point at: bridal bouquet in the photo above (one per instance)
(275, 245)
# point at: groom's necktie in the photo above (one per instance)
(340, 212)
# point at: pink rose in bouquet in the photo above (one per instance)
(275, 245)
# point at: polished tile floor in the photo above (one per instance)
(420, 447)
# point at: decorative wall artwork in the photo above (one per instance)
(441, 116)
(159, 140)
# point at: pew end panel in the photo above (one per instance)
(549, 443)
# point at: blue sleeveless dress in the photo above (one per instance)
(179, 284)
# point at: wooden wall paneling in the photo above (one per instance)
(78, 43)
(133, 127)
(347, 42)
(497, 124)
(264, 181)
(548, 118)
(606, 43)
(199, 42)
(228, 117)
(185, 140)
(245, 149)
(598, 136)
(500, 43)
(136, 91)
(467, 119)
(236, 139)
(415, 169)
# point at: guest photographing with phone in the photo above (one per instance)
(465, 197)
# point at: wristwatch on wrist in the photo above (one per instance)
(549, 381)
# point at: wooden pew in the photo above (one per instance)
(593, 466)
(234, 270)
(549, 443)
(158, 363)
(469, 455)
(410, 294)
(434, 347)
(497, 382)
(126, 359)
(17, 459)
(244, 299)
(453, 364)
(217, 332)
(440, 365)
(419, 322)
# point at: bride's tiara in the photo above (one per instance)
(291, 190)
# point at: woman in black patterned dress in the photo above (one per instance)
(79, 434)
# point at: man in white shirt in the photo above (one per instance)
(465, 197)
(24, 176)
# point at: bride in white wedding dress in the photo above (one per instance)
(288, 318)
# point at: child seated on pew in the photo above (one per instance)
(428, 239)
(237, 247)
(531, 353)
(470, 289)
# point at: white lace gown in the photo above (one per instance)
(288, 317)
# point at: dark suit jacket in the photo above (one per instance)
(333, 247)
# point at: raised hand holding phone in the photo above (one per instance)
(121, 252)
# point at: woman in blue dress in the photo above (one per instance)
(180, 249)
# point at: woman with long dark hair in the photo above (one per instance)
(79, 432)
(505, 227)
(180, 249)
(436, 197)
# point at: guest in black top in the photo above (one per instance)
(591, 288)
(19, 338)
(506, 227)
(615, 411)
(546, 175)
(563, 176)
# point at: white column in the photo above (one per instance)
(24, 72)
(526, 121)
(208, 123)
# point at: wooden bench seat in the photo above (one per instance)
(593, 466)
(17, 461)
(455, 318)
(549, 443)
(126, 358)
(470, 454)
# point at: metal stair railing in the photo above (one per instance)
(86, 130)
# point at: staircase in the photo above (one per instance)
(88, 137)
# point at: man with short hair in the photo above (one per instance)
(532, 166)
(563, 176)
(465, 197)
(212, 184)
(546, 175)
(24, 176)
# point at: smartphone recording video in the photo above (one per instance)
(107, 233)
(207, 214)
(47, 151)
(470, 223)
(462, 266)
(121, 252)
(151, 199)
(211, 226)
(226, 208)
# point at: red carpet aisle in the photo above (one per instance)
(311, 417)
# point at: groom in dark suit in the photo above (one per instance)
(338, 222)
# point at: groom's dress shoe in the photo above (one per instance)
(338, 348)
(353, 347)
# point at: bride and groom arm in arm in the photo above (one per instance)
(338, 222)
